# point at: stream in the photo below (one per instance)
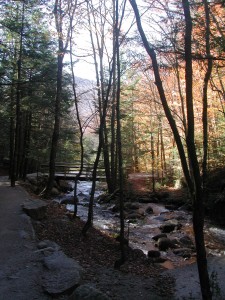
(144, 229)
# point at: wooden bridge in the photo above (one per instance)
(69, 171)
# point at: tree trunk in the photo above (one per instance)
(79, 125)
(27, 144)
(205, 96)
(197, 197)
(12, 132)
(119, 141)
(153, 162)
(55, 136)
(14, 165)
(58, 13)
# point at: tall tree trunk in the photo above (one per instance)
(197, 197)
(62, 47)
(21, 152)
(153, 162)
(14, 165)
(27, 144)
(56, 129)
(79, 125)
(119, 140)
(205, 96)
(12, 132)
(113, 147)
(89, 222)
(103, 113)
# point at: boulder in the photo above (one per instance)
(55, 191)
(153, 253)
(149, 210)
(65, 186)
(158, 236)
(184, 252)
(47, 246)
(166, 243)
(133, 215)
(187, 241)
(35, 208)
(87, 292)
(170, 206)
(167, 227)
(63, 274)
(135, 254)
(170, 226)
(157, 260)
(67, 200)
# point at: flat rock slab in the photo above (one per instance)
(87, 292)
(35, 208)
(187, 284)
(62, 275)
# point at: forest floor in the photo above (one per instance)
(97, 253)
(138, 278)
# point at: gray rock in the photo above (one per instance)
(170, 206)
(65, 185)
(135, 254)
(35, 208)
(158, 236)
(149, 210)
(165, 243)
(157, 260)
(46, 244)
(175, 222)
(55, 191)
(170, 226)
(67, 200)
(153, 253)
(133, 216)
(167, 227)
(88, 292)
(187, 241)
(62, 275)
(184, 252)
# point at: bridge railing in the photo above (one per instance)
(72, 169)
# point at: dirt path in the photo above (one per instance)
(20, 268)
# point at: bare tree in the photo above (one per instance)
(61, 10)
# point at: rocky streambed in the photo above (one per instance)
(162, 232)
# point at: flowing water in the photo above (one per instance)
(141, 232)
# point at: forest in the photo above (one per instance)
(136, 86)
